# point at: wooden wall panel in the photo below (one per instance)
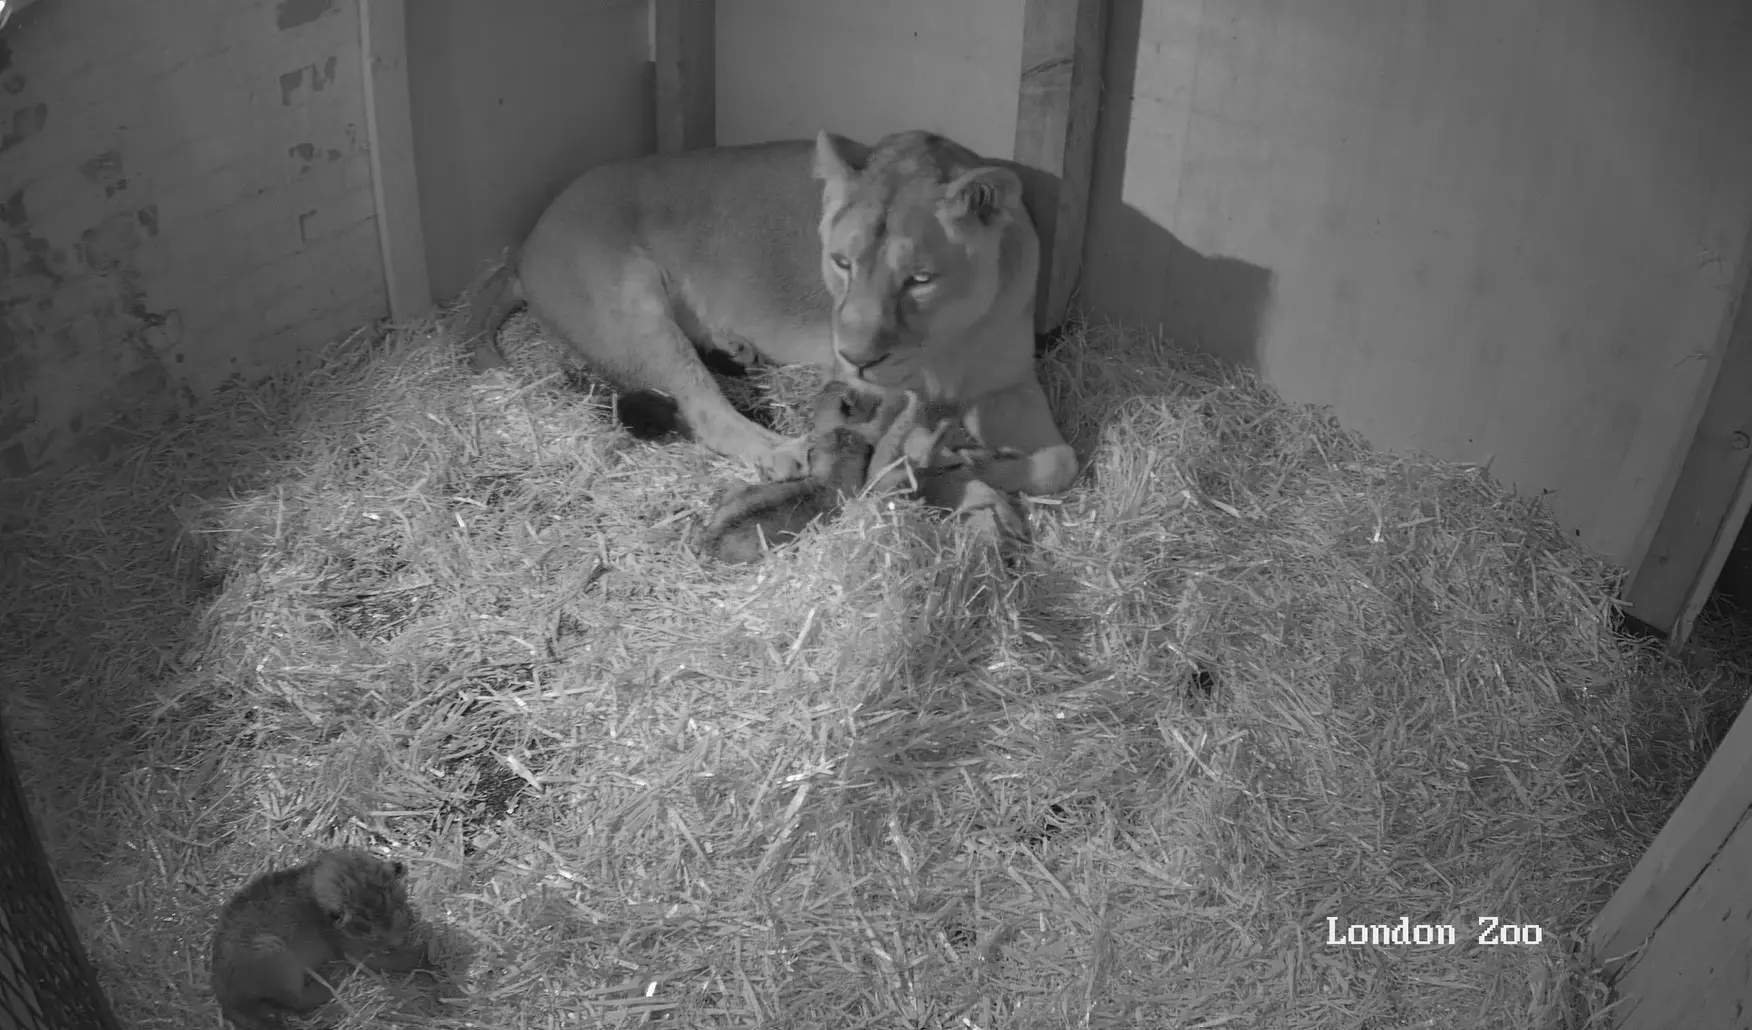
(1059, 104)
(1677, 935)
(789, 67)
(1493, 231)
(512, 101)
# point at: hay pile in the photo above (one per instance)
(1252, 676)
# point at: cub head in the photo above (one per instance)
(839, 404)
(921, 241)
(364, 895)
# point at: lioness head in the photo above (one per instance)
(913, 234)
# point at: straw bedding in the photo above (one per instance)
(1251, 675)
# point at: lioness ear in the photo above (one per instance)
(986, 194)
(837, 161)
(837, 158)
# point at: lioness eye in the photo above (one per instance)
(920, 279)
(841, 262)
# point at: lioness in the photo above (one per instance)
(907, 265)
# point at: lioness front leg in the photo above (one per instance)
(1017, 423)
(642, 345)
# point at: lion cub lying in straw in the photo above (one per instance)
(286, 931)
(858, 442)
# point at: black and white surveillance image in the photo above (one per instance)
(930, 515)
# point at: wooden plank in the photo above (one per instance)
(684, 39)
(1681, 852)
(1063, 43)
(1709, 500)
(1707, 577)
(389, 130)
(1693, 973)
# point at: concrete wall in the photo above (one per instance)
(511, 101)
(787, 68)
(1488, 230)
(184, 195)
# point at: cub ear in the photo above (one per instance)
(397, 869)
(837, 158)
(986, 195)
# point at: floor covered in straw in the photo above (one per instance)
(1251, 678)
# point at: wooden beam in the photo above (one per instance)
(1693, 973)
(1063, 44)
(685, 34)
(1709, 501)
(389, 130)
(1727, 535)
(1696, 831)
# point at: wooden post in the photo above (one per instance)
(389, 132)
(1687, 845)
(687, 71)
(1713, 493)
(1063, 44)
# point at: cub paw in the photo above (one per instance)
(993, 514)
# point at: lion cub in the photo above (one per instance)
(287, 928)
(855, 437)
(912, 457)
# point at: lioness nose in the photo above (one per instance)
(864, 364)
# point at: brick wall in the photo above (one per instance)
(185, 195)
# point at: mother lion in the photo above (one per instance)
(907, 265)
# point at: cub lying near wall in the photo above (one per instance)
(909, 264)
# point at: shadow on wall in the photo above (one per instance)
(1135, 271)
